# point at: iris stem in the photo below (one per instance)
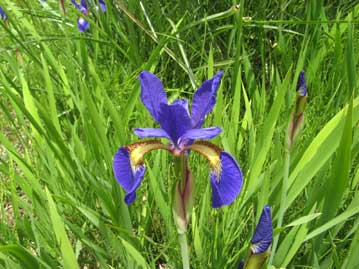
(180, 173)
(282, 200)
(184, 250)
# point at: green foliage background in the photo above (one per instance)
(69, 100)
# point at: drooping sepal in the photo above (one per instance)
(129, 168)
(225, 174)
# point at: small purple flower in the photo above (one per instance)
(263, 235)
(181, 128)
(82, 24)
(3, 14)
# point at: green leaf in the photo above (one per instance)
(68, 255)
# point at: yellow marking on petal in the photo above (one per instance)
(139, 149)
(211, 152)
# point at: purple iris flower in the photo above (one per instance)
(3, 14)
(263, 235)
(181, 128)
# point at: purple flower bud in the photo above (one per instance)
(301, 84)
(3, 14)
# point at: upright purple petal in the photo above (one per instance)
(301, 84)
(128, 177)
(226, 183)
(203, 133)
(174, 119)
(263, 235)
(3, 14)
(150, 132)
(152, 93)
(83, 25)
(102, 5)
(204, 100)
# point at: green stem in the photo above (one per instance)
(184, 250)
(282, 200)
(180, 172)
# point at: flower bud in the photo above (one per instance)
(297, 117)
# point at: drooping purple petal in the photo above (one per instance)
(3, 14)
(152, 93)
(204, 100)
(83, 25)
(128, 177)
(174, 119)
(227, 184)
(241, 264)
(203, 133)
(102, 5)
(263, 235)
(302, 84)
(150, 132)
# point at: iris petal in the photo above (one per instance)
(203, 133)
(204, 100)
(128, 165)
(175, 120)
(125, 174)
(226, 177)
(152, 93)
(150, 132)
(227, 184)
(263, 235)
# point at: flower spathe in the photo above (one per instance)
(181, 128)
